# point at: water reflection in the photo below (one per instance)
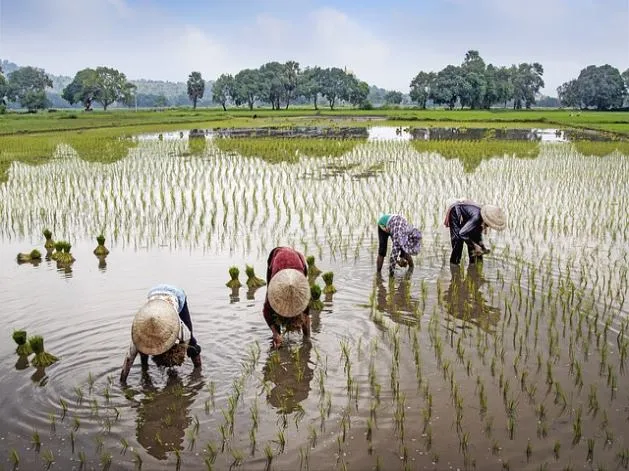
(290, 371)
(39, 376)
(22, 362)
(164, 415)
(397, 301)
(464, 300)
(102, 262)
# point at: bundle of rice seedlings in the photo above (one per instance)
(234, 282)
(42, 358)
(50, 244)
(62, 254)
(33, 256)
(328, 278)
(23, 348)
(175, 356)
(100, 249)
(313, 270)
(252, 280)
(315, 302)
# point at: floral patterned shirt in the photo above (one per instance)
(406, 239)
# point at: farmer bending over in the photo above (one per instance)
(406, 241)
(467, 221)
(287, 294)
(162, 328)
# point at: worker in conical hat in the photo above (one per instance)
(161, 324)
(288, 292)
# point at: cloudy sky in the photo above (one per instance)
(384, 43)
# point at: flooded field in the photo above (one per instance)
(520, 363)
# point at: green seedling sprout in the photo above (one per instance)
(42, 358)
(101, 250)
(328, 278)
(315, 294)
(48, 458)
(234, 282)
(252, 280)
(23, 347)
(49, 244)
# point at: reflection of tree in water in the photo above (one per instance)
(464, 300)
(289, 369)
(397, 301)
(163, 415)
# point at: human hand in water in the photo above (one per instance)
(277, 340)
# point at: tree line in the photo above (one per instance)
(602, 88)
(472, 84)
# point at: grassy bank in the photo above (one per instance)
(154, 120)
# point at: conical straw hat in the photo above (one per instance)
(493, 216)
(289, 292)
(155, 327)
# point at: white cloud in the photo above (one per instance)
(145, 42)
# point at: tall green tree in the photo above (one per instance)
(448, 86)
(527, 81)
(271, 83)
(290, 81)
(393, 97)
(421, 87)
(569, 94)
(28, 86)
(357, 91)
(196, 88)
(3, 88)
(112, 85)
(83, 89)
(334, 85)
(223, 90)
(601, 87)
(247, 87)
(311, 84)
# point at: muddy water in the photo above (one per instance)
(392, 377)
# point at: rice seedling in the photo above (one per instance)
(48, 457)
(234, 282)
(105, 460)
(82, 459)
(42, 358)
(23, 347)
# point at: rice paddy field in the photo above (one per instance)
(518, 363)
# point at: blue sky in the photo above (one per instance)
(384, 43)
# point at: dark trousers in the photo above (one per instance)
(457, 244)
(383, 239)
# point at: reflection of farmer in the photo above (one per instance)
(290, 371)
(396, 301)
(163, 416)
(287, 294)
(464, 300)
(406, 241)
(467, 220)
(162, 327)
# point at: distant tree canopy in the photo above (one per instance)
(196, 88)
(103, 85)
(477, 85)
(602, 88)
(28, 86)
(281, 84)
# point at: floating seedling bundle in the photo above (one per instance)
(33, 256)
(23, 347)
(315, 302)
(252, 280)
(234, 282)
(328, 278)
(313, 270)
(42, 358)
(62, 253)
(173, 357)
(49, 244)
(100, 249)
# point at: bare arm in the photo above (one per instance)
(128, 362)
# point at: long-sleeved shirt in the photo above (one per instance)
(406, 238)
(465, 221)
(279, 259)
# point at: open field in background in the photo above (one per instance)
(616, 122)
